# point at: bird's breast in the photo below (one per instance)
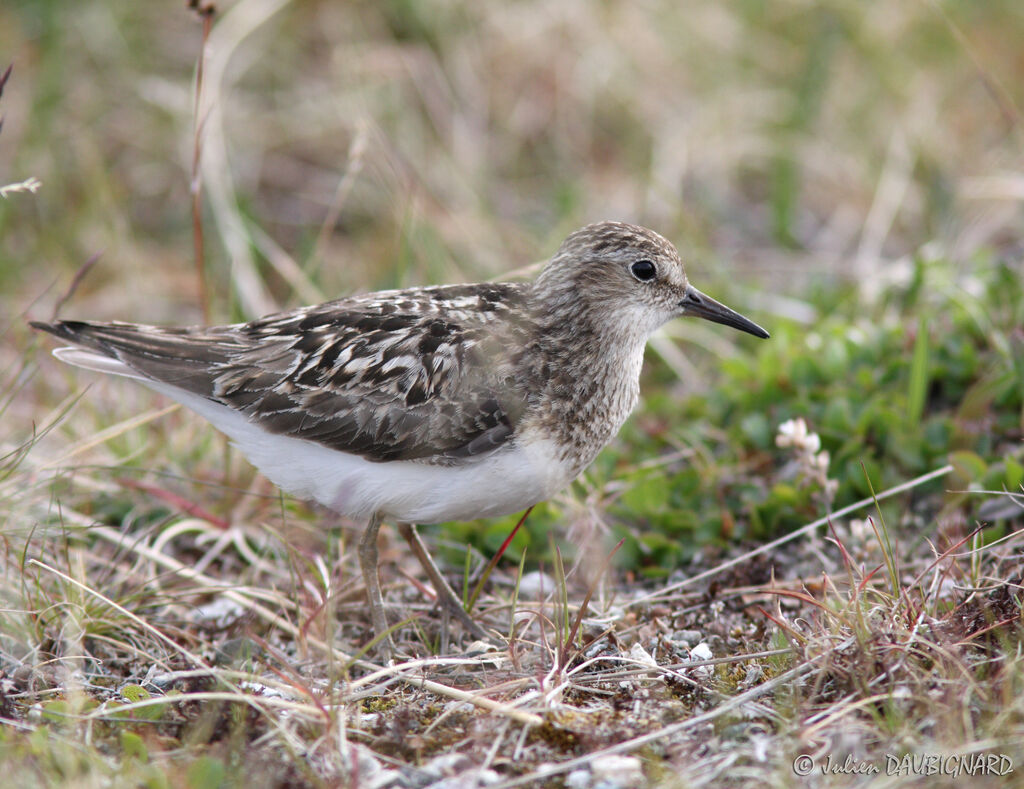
(584, 406)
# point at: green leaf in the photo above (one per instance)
(206, 773)
(647, 495)
(39, 741)
(1014, 475)
(135, 693)
(918, 388)
(56, 710)
(968, 465)
(756, 428)
(133, 747)
(155, 778)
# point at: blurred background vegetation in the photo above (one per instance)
(847, 173)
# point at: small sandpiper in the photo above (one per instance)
(427, 404)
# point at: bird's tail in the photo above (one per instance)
(180, 357)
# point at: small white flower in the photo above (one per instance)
(811, 460)
(792, 432)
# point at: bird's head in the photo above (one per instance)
(627, 276)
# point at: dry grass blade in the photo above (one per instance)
(3, 81)
(635, 743)
(563, 653)
(4, 77)
(76, 280)
(285, 626)
(138, 621)
(105, 435)
(353, 167)
(793, 535)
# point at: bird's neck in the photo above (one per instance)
(589, 380)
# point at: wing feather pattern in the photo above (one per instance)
(426, 374)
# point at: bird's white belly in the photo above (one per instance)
(503, 482)
(507, 481)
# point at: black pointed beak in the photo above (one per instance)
(697, 305)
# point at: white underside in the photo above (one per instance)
(506, 481)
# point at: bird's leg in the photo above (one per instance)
(445, 595)
(368, 564)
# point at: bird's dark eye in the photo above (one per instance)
(644, 270)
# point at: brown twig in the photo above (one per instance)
(206, 12)
(3, 81)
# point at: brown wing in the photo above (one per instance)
(420, 374)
